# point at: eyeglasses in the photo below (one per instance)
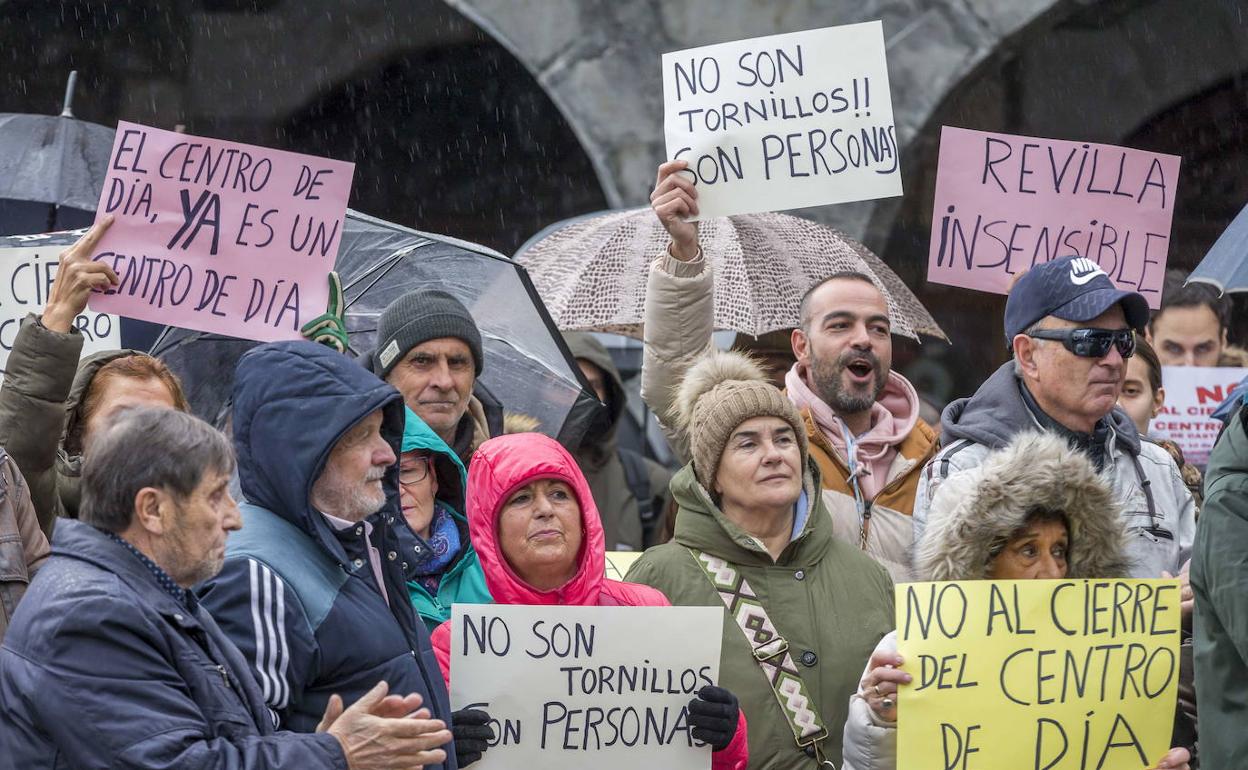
(416, 473)
(1091, 343)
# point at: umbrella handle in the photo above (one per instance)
(66, 110)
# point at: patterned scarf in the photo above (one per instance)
(444, 546)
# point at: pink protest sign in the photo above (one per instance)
(219, 236)
(1004, 203)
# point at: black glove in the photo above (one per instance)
(471, 730)
(714, 717)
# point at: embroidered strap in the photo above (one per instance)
(771, 651)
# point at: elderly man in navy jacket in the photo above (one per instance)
(311, 591)
(110, 661)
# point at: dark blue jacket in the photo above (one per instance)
(297, 596)
(102, 668)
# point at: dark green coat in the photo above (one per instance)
(1220, 582)
(823, 596)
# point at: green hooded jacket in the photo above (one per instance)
(44, 383)
(1220, 584)
(463, 581)
(831, 603)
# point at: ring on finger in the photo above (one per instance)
(878, 694)
(887, 703)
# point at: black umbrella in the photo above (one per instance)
(527, 366)
(52, 168)
(1226, 264)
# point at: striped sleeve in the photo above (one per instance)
(260, 613)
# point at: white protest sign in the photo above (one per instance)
(785, 121)
(26, 276)
(578, 687)
(1192, 395)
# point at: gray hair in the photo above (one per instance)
(1030, 330)
(147, 447)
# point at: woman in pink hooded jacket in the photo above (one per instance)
(538, 535)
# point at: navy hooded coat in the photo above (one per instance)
(298, 597)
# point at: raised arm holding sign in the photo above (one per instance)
(218, 236)
(34, 280)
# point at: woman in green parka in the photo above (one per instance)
(437, 557)
(751, 533)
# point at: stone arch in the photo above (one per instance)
(599, 61)
(490, 160)
(425, 102)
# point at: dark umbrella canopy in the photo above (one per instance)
(52, 169)
(527, 367)
(1226, 264)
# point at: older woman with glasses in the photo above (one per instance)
(434, 551)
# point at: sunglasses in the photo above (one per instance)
(1091, 343)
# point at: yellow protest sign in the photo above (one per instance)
(618, 563)
(1037, 674)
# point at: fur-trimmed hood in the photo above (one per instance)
(973, 510)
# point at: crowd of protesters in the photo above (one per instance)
(306, 624)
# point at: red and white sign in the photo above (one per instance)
(1192, 395)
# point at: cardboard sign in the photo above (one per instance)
(1192, 395)
(785, 121)
(1037, 674)
(576, 687)
(618, 563)
(26, 276)
(1004, 203)
(219, 236)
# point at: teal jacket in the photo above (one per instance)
(463, 581)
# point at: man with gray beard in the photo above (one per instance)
(862, 418)
(311, 592)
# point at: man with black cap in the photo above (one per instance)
(1071, 332)
(429, 348)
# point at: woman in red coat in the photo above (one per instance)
(539, 538)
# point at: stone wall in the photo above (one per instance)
(599, 60)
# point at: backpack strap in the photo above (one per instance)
(637, 477)
(771, 652)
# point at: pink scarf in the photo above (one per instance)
(893, 416)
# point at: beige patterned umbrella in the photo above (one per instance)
(591, 271)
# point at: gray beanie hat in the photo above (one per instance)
(420, 316)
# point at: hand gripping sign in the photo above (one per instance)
(26, 276)
(219, 236)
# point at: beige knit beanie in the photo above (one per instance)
(718, 393)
